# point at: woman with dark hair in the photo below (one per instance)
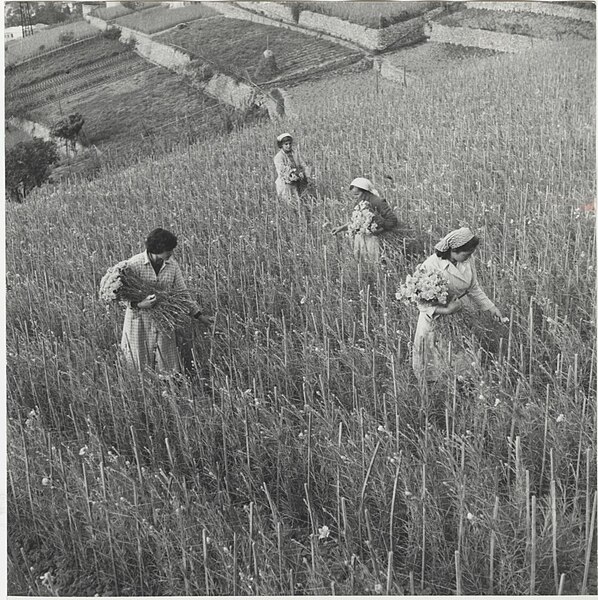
(142, 343)
(291, 171)
(371, 223)
(431, 354)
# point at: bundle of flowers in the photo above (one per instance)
(362, 220)
(292, 175)
(424, 287)
(172, 308)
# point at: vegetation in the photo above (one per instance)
(298, 458)
(68, 129)
(534, 25)
(160, 18)
(376, 15)
(28, 165)
(49, 13)
(45, 40)
(108, 13)
(153, 103)
(236, 47)
(63, 62)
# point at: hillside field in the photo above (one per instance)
(300, 457)
(235, 47)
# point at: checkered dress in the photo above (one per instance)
(142, 344)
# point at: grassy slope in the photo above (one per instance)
(309, 384)
(160, 18)
(534, 25)
(45, 40)
(371, 13)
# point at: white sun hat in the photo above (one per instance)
(364, 184)
(282, 136)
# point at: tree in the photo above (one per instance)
(28, 165)
(68, 129)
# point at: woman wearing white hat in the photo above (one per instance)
(371, 221)
(431, 353)
(291, 171)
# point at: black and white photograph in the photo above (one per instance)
(300, 298)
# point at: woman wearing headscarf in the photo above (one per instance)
(142, 343)
(291, 171)
(436, 325)
(371, 223)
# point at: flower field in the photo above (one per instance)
(299, 458)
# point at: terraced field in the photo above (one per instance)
(110, 69)
(520, 23)
(46, 40)
(235, 47)
(160, 18)
(65, 60)
(126, 109)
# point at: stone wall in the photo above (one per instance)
(40, 131)
(543, 8)
(97, 22)
(490, 40)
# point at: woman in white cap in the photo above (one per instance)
(291, 171)
(369, 231)
(431, 354)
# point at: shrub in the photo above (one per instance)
(68, 129)
(28, 165)
(112, 33)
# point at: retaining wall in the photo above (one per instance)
(490, 40)
(97, 22)
(40, 131)
(543, 8)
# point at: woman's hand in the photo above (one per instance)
(455, 305)
(207, 321)
(496, 314)
(339, 229)
(147, 302)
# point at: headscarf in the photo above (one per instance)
(364, 184)
(454, 239)
(282, 136)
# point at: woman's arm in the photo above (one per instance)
(279, 163)
(476, 293)
(179, 285)
(340, 229)
(387, 219)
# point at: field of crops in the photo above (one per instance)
(45, 40)
(370, 14)
(62, 62)
(160, 18)
(143, 101)
(533, 25)
(299, 459)
(235, 47)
